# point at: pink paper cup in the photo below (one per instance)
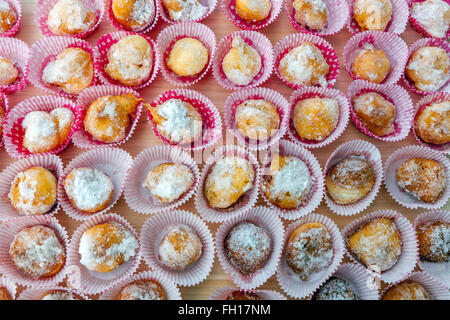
(50, 162)
(138, 197)
(210, 4)
(393, 46)
(166, 40)
(294, 40)
(289, 280)
(287, 148)
(92, 282)
(10, 287)
(229, 8)
(9, 228)
(46, 50)
(13, 132)
(393, 93)
(264, 218)
(439, 271)
(4, 104)
(338, 15)
(416, 25)
(390, 173)
(43, 8)
(244, 204)
(270, 95)
(373, 156)
(145, 29)
(101, 51)
(212, 123)
(113, 162)
(18, 52)
(154, 230)
(37, 293)
(260, 43)
(409, 253)
(397, 24)
(417, 45)
(17, 7)
(171, 290)
(311, 92)
(84, 140)
(222, 293)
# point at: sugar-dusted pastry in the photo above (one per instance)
(143, 290)
(375, 112)
(65, 119)
(248, 247)
(177, 121)
(8, 72)
(185, 10)
(433, 16)
(305, 65)
(312, 14)
(376, 243)
(309, 249)
(371, 64)
(372, 14)
(37, 252)
(107, 246)
(432, 123)
(188, 57)
(242, 295)
(134, 15)
(423, 178)
(8, 16)
(130, 60)
(33, 191)
(242, 63)
(289, 182)
(229, 179)
(350, 179)
(72, 70)
(428, 68)
(41, 132)
(253, 10)
(257, 119)
(336, 289)
(315, 118)
(407, 290)
(4, 294)
(89, 190)
(108, 118)
(59, 295)
(70, 17)
(434, 241)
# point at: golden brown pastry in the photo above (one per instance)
(134, 15)
(184, 10)
(60, 295)
(143, 290)
(407, 290)
(8, 16)
(371, 64)
(257, 119)
(253, 10)
(312, 14)
(372, 14)
(64, 118)
(70, 17)
(188, 57)
(432, 123)
(41, 132)
(242, 295)
(8, 72)
(4, 294)
(434, 241)
(433, 16)
(336, 289)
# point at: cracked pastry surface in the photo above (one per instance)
(8, 72)
(312, 14)
(59, 295)
(371, 64)
(70, 17)
(433, 16)
(8, 16)
(372, 14)
(185, 10)
(257, 119)
(188, 57)
(434, 241)
(407, 290)
(134, 15)
(336, 288)
(253, 10)
(147, 289)
(432, 123)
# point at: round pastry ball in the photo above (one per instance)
(180, 247)
(434, 241)
(33, 191)
(432, 123)
(188, 57)
(8, 72)
(248, 247)
(336, 289)
(372, 14)
(407, 290)
(37, 252)
(143, 290)
(41, 132)
(376, 243)
(253, 10)
(70, 17)
(371, 64)
(309, 249)
(433, 16)
(134, 15)
(316, 118)
(181, 10)
(59, 295)
(8, 16)
(311, 14)
(242, 295)
(4, 294)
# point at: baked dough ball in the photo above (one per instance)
(33, 191)
(375, 112)
(37, 252)
(423, 178)
(70, 17)
(372, 14)
(65, 119)
(428, 68)
(350, 179)
(432, 123)
(8, 16)
(134, 15)
(433, 16)
(184, 10)
(106, 246)
(376, 243)
(177, 121)
(242, 295)
(89, 190)
(130, 60)
(371, 64)
(312, 14)
(253, 10)
(180, 247)
(59, 295)
(336, 289)
(108, 118)
(72, 70)
(229, 179)
(242, 63)
(41, 132)
(257, 119)
(316, 118)
(305, 65)
(188, 57)
(407, 290)
(289, 182)
(8, 72)
(4, 294)
(143, 290)
(248, 247)
(434, 241)
(169, 181)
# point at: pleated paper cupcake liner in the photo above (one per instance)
(417, 26)
(4, 104)
(145, 29)
(210, 4)
(38, 293)
(154, 230)
(18, 53)
(10, 286)
(222, 293)
(17, 7)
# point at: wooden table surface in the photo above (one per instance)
(144, 137)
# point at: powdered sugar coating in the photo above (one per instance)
(71, 14)
(59, 295)
(433, 16)
(185, 10)
(434, 241)
(142, 290)
(39, 125)
(336, 289)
